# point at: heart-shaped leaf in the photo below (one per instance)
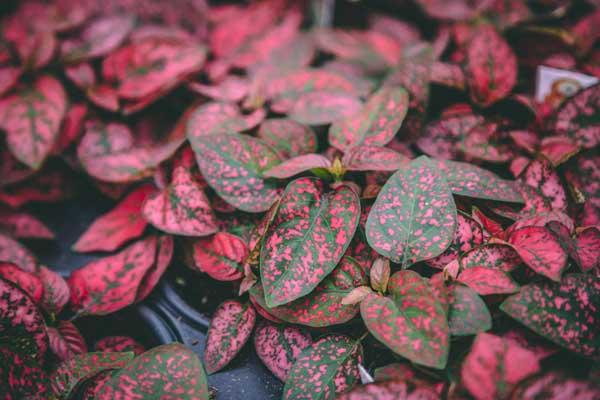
(467, 314)
(233, 165)
(308, 237)
(565, 312)
(166, 372)
(541, 176)
(328, 367)
(116, 344)
(221, 256)
(182, 208)
(118, 226)
(322, 107)
(494, 366)
(288, 137)
(297, 165)
(32, 118)
(376, 124)
(278, 346)
(390, 390)
(230, 328)
(487, 281)
(414, 216)
(412, 322)
(66, 340)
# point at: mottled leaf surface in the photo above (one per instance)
(390, 390)
(297, 165)
(66, 341)
(373, 158)
(117, 344)
(486, 281)
(321, 107)
(221, 256)
(288, 137)
(467, 313)
(15, 253)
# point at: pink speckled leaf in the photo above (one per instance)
(390, 390)
(486, 281)
(221, 256)
(468, 236)
(32, 118)
(56, 291)
(297, 165)
(448, 74)
(233, 165)
(66, 340)
(116, 344)
(555, 385)
(558, 149)
(15, 253)
(468, 313)
(29, 282)
(21, 224)
(230, 328)
(373, 158)
(491, 66)
(540, 250)
(377, 122)
(323, 306)
(288, 137)
(541, 176)
(414, 216)
(278, 346)
(169, 371)
(219, 119)
(327, 368)
(587, 245)
(494, 366)
(312, 230)
(182, 208)
(412, 322)
(118, 226)
(565, 313)
(491, 255)
(232, 88)
(320, 107)
(440, 138)
(24, 343)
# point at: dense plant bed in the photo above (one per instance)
(383, 209)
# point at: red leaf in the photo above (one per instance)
(23, 225)
(56, 291)
(15, 253)
(495, 366)
(467, 236)
(123, 223)
(117, 344)
(541, 176)
(9, 77)
(278, 346)
(486, 281)
(32, 118)
(164, 254)
(390, 390)
(540, 250)
(558, 149)
(230, 328)
(297, 165)
(448, 74)
(72, 127)
(587, 244)
(491, 255)
(66, 340)
(28, 282)
(322, 107)
(221, 256)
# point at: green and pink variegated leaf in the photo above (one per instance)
(471, 181)
(325, 369)
(32, 119)
(468, 313)
(540, 250)
(448, 74)
(490, 66)
(230, 328)
(322, 107)
(28, 281)
(411, 322)
(56, 290)
(308, 237)
(390, 390)
(80, 367)
(491, 255)
(66, 341)
(406, 372)
(219, 119)
(297, 165)
(118, 226)
(117, 344)
(373, 158)
(558, 149)
(414, 216)
(566, 313)
(288, 137)
(170, 371)
(587, 245)
(221, 256)
(377, 122)
(541, 176)
(233, 165)
(494, 366)
(440, 139)
(24, 343)
(182, 208)
(486, 281)
(323, 306)
(15, 253)
(164, 254)
(555, 385)
(542, 219)
(468, 236)
(278, 346)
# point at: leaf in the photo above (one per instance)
(491, 66)
(221, 256)
(565, 313)
(232, 88)
(328, 367)
(322, 107)
(373, 158)
(554, 385)
(297, 165)
(558, 149)
(27, 281)
(233, 165)
(380, 274)
(491, 255)
(219, 119)
(411, 322)
(182, 208)
(357, 295)
(56, 291)
(587, 246)
(24, 343)
(167, 371)
(468, 314)
(77, 369)
(15, 253)
(324, 305)
(23, 225)
(540, 250)
(32, 118)
(494, 366)
(278, 346)
(414, 216)
(390, 390)
(118, 226)
(469, 180)
(377, 122)
(115, 344)
(230, 328)
(541, 176)
(440, 138)
(66, 340)
(288, 137)
(486, 281)
(448, 74)
(307, 238)
(468, 235)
